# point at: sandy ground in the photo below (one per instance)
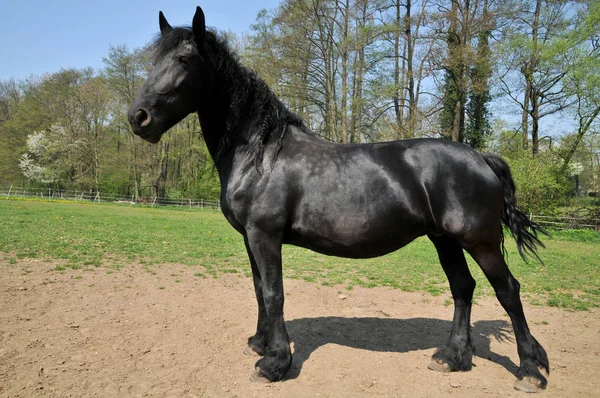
(172, 334)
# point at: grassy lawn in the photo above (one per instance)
(89, 236)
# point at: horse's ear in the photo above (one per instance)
(198, 25)
(164, 25)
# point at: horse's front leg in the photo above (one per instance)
(457, 354)
(277, 358)
(257, 343)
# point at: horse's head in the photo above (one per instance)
(182, 74)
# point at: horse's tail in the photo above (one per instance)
(521, 227)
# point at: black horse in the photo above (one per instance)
(281, 183)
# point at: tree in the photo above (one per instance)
(467, 70)
(582, 82)
(11, 142)
(452, 117)
(534, 69)
(124, 73)
(478, 126)
(542, 189)
(70, 112)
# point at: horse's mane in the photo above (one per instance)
(251, 100)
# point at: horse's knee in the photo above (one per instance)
(273, 301)
(462, 289)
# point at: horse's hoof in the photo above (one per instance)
(439, 366)
(258, 377)
(249, 351)
(529, 384)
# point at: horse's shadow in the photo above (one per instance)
(390, 335)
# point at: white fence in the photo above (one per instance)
(58, 194)
(549, 222)
(554, 222)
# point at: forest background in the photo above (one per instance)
(517, 78)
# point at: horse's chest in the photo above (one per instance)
(232, 214)
(235, 204)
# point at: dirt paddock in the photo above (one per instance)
(172, 334)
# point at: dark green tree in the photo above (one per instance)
(478, 126)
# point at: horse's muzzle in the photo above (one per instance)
(141, 124)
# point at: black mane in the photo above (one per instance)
(251, 101)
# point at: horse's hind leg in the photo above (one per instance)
(531, 354)
(457, 354)
(258, 342)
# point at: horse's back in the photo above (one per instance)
(363, 200)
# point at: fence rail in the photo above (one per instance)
(555, 222)
(551, 222)
(58, 194)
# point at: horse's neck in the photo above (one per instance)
(254, 112)
(218, 117)
(214, 123)
(212, 130)
(213, 119)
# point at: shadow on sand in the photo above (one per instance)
(390, 335)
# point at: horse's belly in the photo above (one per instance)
(345, 238)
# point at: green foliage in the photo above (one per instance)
(478, 127)
(541, 189)
(448, 112)
(63, 119)
(69, 129)
(541, 186)
(209, 186)
(51, 158)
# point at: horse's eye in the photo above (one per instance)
(183, 59)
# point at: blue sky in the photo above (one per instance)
(44, 36)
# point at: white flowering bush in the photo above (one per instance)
(52, 156)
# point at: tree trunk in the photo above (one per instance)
(399, 76)
(535, 122)
(581, 131)
(344, 104)
(134, 168)
(449, 124)
(525, 115)
(531, 68)
(412, 111)
(361, 42)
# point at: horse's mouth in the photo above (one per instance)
(153, 139)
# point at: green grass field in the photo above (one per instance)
(92, 236)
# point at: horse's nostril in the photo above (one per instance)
(142, 117)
